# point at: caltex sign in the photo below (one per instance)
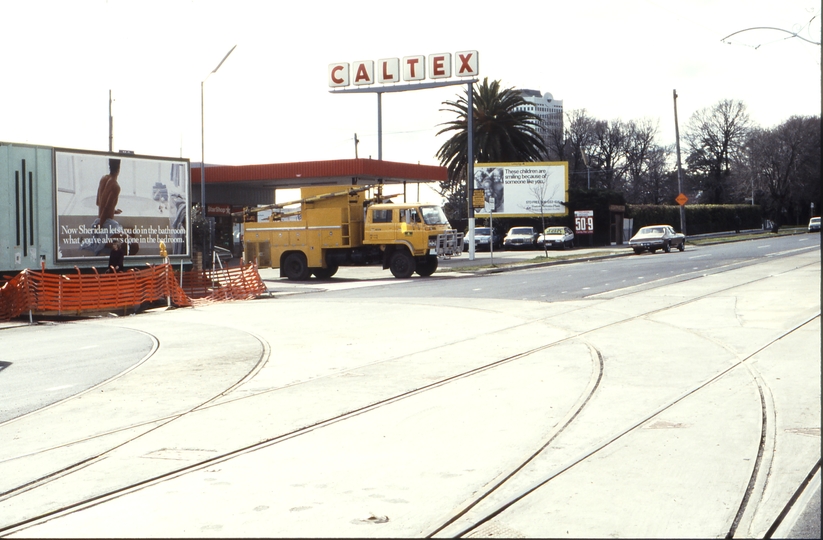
(409, 69)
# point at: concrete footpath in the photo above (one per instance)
(659, 412)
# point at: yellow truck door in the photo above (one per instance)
(381, 227)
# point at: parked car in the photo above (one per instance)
(556, 237)
(520, 238)
(814, 224)
(482, 235)
(656, 237)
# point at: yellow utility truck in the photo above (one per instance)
(335, 226)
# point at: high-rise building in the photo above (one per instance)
(550, 112)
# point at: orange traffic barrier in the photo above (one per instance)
(40, 292)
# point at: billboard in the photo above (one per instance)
(102, 199)
(522, 189)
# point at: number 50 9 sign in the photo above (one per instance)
(584, 222)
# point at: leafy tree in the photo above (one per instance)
(715, 137)
(502, 133)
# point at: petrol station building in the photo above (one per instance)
(231, 188)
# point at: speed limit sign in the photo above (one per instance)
(584, 222)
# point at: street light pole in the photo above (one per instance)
(203, 146)
(111, 126)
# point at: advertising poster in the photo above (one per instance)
(134, 203)
(522, 189)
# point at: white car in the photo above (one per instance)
(814, 224)
(556, 237)
(482, 236)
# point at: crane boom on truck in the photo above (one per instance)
(343, 228)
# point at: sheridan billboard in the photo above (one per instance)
(523, 189)
(105, 198)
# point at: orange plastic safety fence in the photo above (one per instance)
(73, 294)
(236, 283)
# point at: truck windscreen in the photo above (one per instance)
(433, 215)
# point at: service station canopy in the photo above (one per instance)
(340, 172)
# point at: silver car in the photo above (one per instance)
(520, 238)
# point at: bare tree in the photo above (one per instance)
(647, 174)
(543, 199)
(785, 162)
(579, 138)
(610, 152)
(715, 137)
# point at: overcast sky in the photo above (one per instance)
(270, 100)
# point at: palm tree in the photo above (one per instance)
(502, 132)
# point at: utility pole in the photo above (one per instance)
(679, 167)
(356, 140)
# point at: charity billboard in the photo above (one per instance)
(523, 189)
(107, 199)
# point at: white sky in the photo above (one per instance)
(270, 100)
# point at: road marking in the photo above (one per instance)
(699, 256)
(776, 253)
(761, 247)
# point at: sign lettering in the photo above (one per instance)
(412, 68)
(584, 222)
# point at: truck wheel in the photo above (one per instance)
(427, 268)
(401, 264)
(324, 273)
(295, 267)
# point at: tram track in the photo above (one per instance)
(500, 508)
(570, 418)
(157, 422)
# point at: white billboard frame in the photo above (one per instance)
(151, 195)
(519, 190)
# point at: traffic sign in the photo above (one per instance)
(479, 198)
(682, 199)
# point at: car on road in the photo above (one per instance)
(654, 237)
(556, 237)
(814, 224)
(482, 236)
(520, 238)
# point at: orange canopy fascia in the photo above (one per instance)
(305, 173)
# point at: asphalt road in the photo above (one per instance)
(29, 383)
(550, 281)
(657, 395)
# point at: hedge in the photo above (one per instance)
(700, 218)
